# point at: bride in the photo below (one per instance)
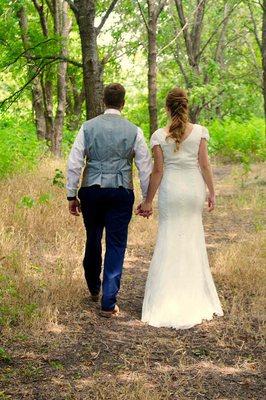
(180, 291)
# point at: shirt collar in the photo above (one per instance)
(112, 111)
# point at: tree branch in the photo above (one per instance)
(255, 30)
(16, 95)
(221, 40)
(160, 7)
(25, 51)
(50, 6)
(197, 25)
(73, 7)
(43, 20)
(183, 22)
(216, 30)
(59, 57)
(182, 70)
(143, 16)
(106, 15)
(209, 101)
(184, 28)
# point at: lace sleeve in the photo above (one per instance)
(155, 140)
(205, 133)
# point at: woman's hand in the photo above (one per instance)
(211, 202)
(144, 209)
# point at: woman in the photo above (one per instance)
(180, 291)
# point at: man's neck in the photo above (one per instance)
(110, 110)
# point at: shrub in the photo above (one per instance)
(19, 147)
(238, 141)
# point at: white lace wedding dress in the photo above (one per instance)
(180, 291)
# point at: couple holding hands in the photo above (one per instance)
(180, 291)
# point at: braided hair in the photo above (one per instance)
(177, 104)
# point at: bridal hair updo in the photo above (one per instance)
(177, 105)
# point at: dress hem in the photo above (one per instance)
(162, 325)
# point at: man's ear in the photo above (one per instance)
(122, 106)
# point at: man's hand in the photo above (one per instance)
(74, 207)
(144, 209)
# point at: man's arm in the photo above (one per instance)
(74, 167)
(143, 162)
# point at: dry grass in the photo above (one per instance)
(41, 250)
(241, 268)
(58, 348)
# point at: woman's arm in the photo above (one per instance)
(206, 171)
(145, 209)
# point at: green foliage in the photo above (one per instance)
(238, 141)
(19, 148)
(45, 198)
(59, 179)
(226, 86)
(4, 356)
(27, 201)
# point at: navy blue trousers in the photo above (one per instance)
(110, 209)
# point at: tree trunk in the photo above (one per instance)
(92, 67)
(75, 99)
(46, 77)
(38, 108)
(219, 52)
(36, 90)
(190, 64)
(85, 11)
(152, 65)
(194, 113)
(47, 89)
(62, 27)
(264, 55)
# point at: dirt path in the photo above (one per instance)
(87, 357)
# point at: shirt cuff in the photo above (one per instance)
(69, 198)
(72, 192)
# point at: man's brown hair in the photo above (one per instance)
(114, 95)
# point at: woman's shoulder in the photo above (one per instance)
(157, 137)
(203, 132)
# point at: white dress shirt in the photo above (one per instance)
(76, 160)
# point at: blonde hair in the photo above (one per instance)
(177, 104)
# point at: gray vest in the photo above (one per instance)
(109, 150)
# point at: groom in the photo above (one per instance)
(107, 146)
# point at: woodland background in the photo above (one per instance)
(55, 57)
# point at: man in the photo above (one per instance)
(107, 145)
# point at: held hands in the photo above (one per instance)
(74, 207)
(211, 202)
(144, 209)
